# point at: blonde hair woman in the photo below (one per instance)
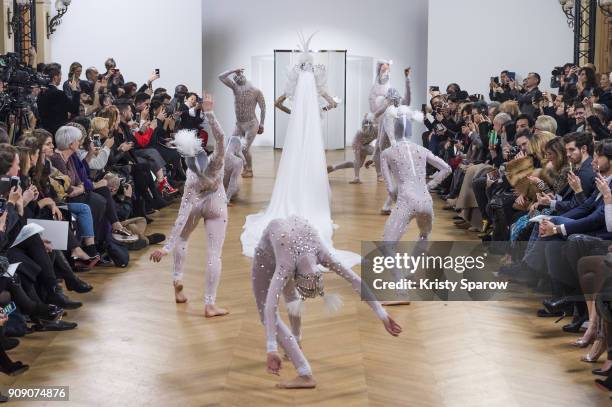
(510, 107)
(537, 146)
(98, 148)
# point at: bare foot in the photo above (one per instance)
(179, 297)
(247, 174)
(211, 310)
(394, 303)
(369, 163)
(380, 179)
(300, 382)
(355, 181)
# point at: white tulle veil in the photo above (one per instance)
(301, 186)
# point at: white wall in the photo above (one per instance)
(234, 31)
(472, 40)
(140, 34)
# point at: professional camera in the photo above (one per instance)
(558, 71)
(18, 79)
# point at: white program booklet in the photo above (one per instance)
(10, 271)
(55, 231)
(26, 232)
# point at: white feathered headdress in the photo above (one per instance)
(304, 47)
(187, 143)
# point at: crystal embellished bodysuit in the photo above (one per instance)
(285, 245)
(403, 166)
(203, 197)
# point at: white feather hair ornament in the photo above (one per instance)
(187, 143)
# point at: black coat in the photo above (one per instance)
(55, 108)
(189, 122)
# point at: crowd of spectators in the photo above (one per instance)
(532, 172)
(96, 152)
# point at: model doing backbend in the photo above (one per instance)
(203, 198)
(286, 262)
(246, 99)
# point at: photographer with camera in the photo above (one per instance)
(54, 107)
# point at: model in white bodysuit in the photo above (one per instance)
(403, 166)
(285, 263)
(203, 198)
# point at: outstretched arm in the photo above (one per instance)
(327, 260)
(216, 163)
(224, 77)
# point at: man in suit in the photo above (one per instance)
(582, 231)
(54, 107)
(531, 93)
(578, 148)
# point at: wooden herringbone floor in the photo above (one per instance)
(134, 346)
